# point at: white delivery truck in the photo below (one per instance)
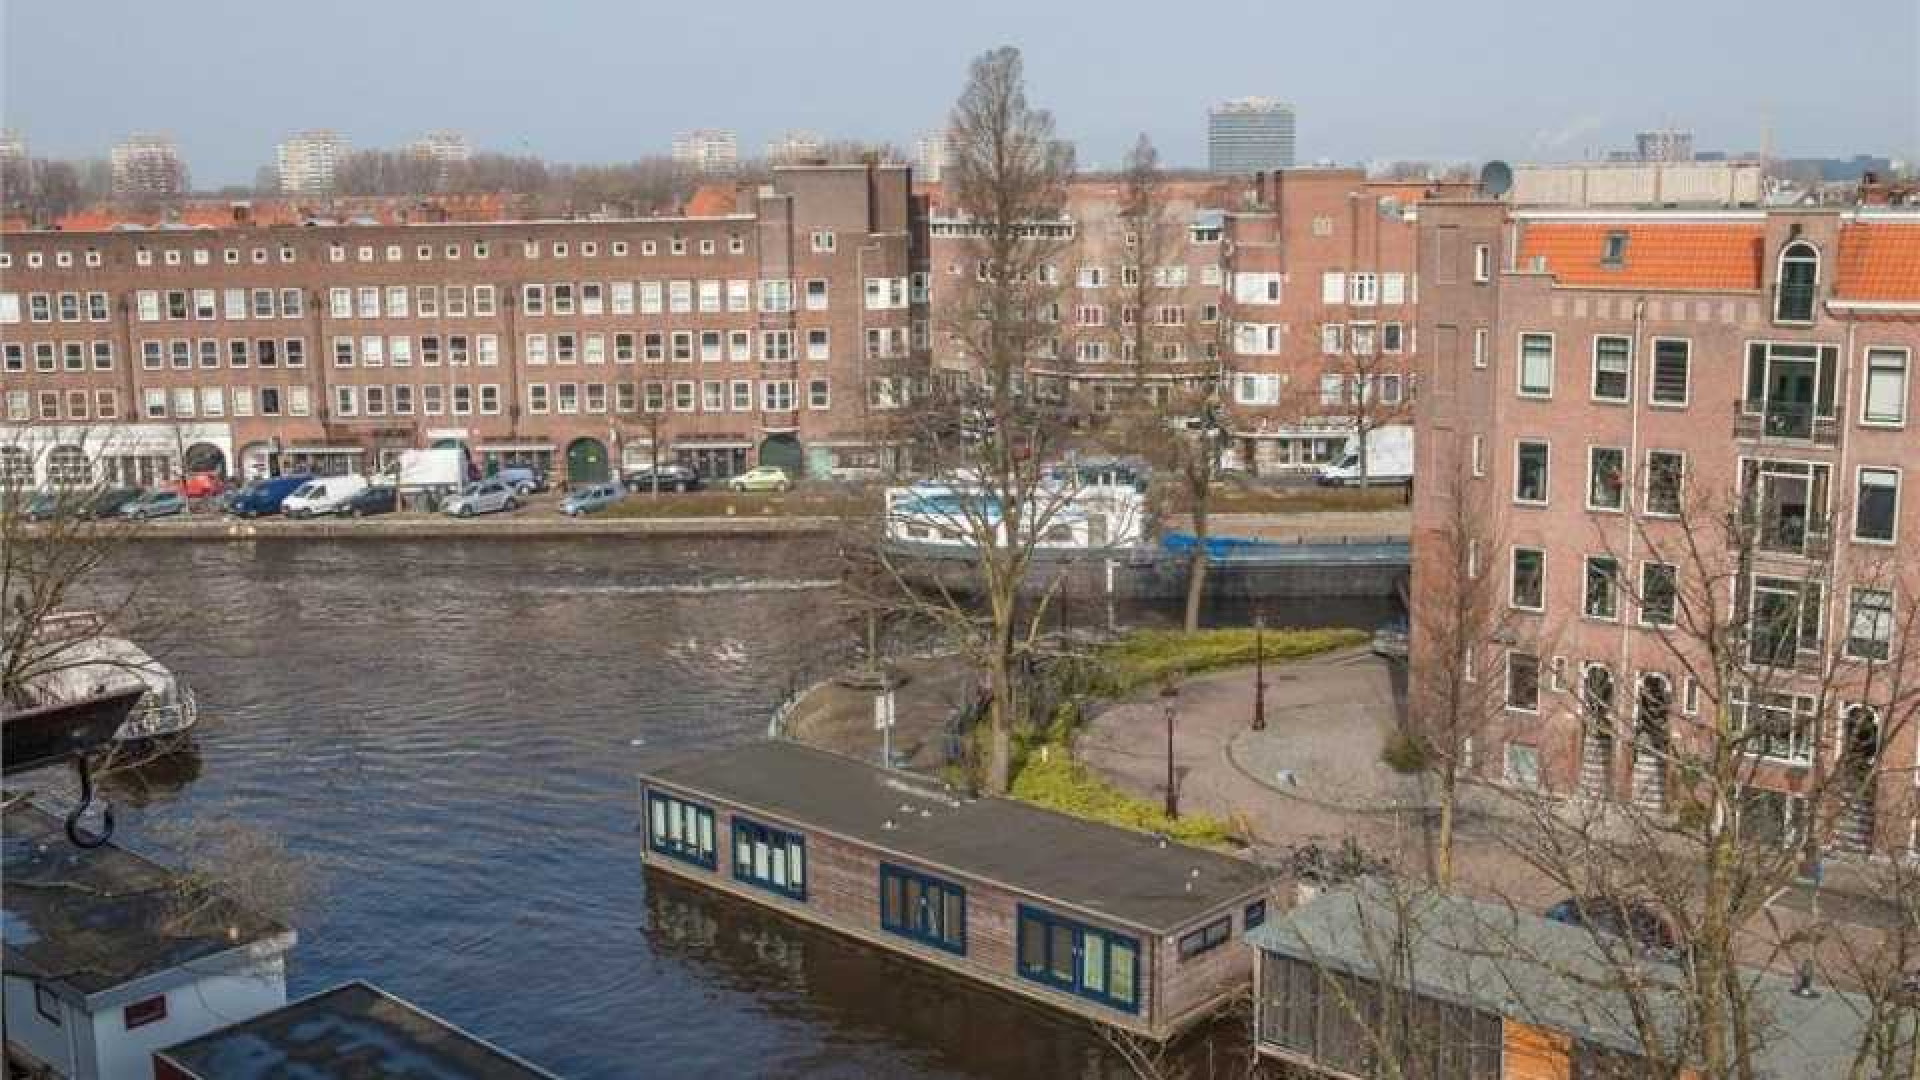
(1389, 459)
(428, 476)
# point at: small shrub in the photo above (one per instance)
(1405, 754)
(1053, 779)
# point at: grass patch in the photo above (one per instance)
(1051, 778)
(1250, 500)
(1146, 657)
(1405, 754)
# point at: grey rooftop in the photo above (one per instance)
(352, 1032)
(1102, 869)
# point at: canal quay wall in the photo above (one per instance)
(492, 528)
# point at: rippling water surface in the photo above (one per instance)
(448, 732)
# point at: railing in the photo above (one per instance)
(156, 721)
(1786, 421)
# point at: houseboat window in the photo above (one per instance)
(923, 908)
(1096, 964)
(1209, 937)
(1331, 1020)
(1256, 914)
(773, 859)
(141, 1013)
(47, 1004)
(681, 829)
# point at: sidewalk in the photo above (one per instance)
(837, 715)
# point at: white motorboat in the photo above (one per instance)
(86, 661)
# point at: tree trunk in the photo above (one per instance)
(1197, 567)
(1443, 843)
(1000, 712)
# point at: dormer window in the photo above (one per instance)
(1615, 253)
(1796, 284)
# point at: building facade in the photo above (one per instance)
(707, 150)
(306, 162)
(1680, 425)
(1247, 135)
(729, 340)
(146, 166)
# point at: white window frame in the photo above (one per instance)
(1903, 358)
(1520, 360)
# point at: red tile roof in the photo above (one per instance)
(711, 200)
(1879, 261)
(1659, 255)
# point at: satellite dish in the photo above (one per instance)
(1496, 177)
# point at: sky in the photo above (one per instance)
(612, 80)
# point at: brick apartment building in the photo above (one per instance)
(1294, 291)
(1602, 381)
(738, 338)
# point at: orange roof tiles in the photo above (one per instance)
(1879, 262)
(711, 200)
(1662, 255)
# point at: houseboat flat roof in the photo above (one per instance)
(1545, 973)
(350, 1032)
(1101, 869)
(98, 918)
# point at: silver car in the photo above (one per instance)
(485, 497)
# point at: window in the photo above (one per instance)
(433, 399)
(1331, 336)
(713, 396)
(141, 1013)
(1876, 505)
(567, 398)
(1207, 938)
(818, 394)
(1884, 397)
(742, 395)
(1536, 365)
(775, 345)
(1784, 619)
(817, 344)
(1671, 367)
(1606, 478)
(1666, 476)
(1774, 726)
(1790, 388)
(1257, 389)
(346, 401)
(1255, 915)
(683, 397)
(1482, 263)
(1363, 289)
(367, 302)
(482, 299)
(1256, 288)
(775, 296)
(1529, 585)
(537, 398)
(533, 300)
(1614, 253)
(1798, 280)
(1659, 594)
(680, 829)
(1392, 338)
(1523, 682)
(1329, 1019)
(1870, 624)
(403, 400)
(776, 395)
(1096, 964)
(1600, 597)
(1530, 472)
(923, 908)
(774, 859)
(1612, 360)
(563, 299)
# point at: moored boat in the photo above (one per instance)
(83, 660)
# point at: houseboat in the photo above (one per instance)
(1498, 994)
(1116, 926)
(351, 1031)
(82, 660)
(102, 965)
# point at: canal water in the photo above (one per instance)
(446, 734)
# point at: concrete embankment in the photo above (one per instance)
(484, 528)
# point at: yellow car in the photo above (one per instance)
(763, 478)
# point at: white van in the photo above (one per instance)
(322, 495)
(1389, 459)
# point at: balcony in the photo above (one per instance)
(1786, 422)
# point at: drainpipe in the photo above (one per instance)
(1636, 500)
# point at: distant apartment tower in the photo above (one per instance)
(307, 161)
(932, 153)
(445, 147)
(707, 149)
(1666, 145)
(147, 165)
(1249, 135)
(795, 148)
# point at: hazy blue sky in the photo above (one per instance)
(577, 81)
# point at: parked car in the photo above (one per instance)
(379, 499)
(591, 499)
(322, 495)
(1390, 638)
(109, 503)
(43, 506)
(672, 478)
(202, 485)
(525, 479)
(762, 478)
(155, 504)
(262, 497)
(1629, 920)
(485, 497)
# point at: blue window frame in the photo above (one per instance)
(926, 909)
(1207, 938)
(1255, 916)
(774, 859)
(680, 829)
(1099, 965)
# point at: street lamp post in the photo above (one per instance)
(1168, 694)
(1259, 673)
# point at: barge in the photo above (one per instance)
(1115, 926)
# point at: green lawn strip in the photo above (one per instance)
(1146, 657)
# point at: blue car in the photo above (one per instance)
(587, 500)
(262, 498)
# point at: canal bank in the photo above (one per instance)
(491, 527)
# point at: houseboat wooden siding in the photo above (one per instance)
(1080, 916)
